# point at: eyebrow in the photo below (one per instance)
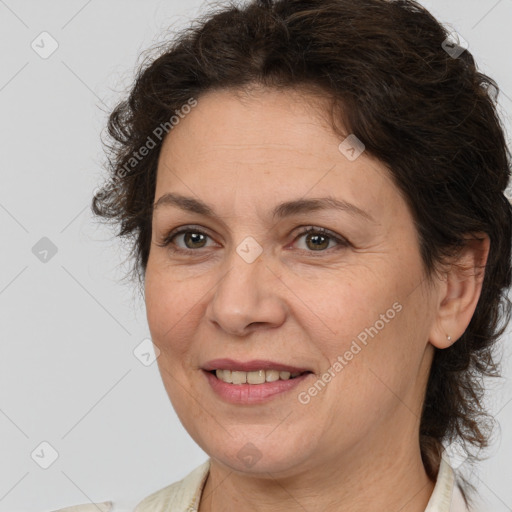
(282, 210)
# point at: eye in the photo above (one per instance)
(194, 238)
(319, 238)
(191, 235)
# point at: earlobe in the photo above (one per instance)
(459, 292)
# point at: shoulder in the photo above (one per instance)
(182, 495)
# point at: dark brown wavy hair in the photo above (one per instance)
(424, 111)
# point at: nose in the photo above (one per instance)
(246, 297)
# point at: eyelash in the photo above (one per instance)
(167, 240)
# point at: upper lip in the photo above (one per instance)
(249, 366)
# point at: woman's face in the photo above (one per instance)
(350, 305)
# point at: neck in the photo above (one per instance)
(396, 483)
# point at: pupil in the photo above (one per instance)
(193, 235)
(316, 237)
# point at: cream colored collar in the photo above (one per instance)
(184, 496)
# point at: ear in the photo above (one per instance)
(459, 291)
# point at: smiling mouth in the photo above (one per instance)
(254, 377)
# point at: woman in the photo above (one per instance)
(315, 191)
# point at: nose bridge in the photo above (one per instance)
(245, 294)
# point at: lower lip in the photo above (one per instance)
(252, 393)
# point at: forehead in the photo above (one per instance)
(280, 143)
(267, 120)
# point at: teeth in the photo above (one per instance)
(257, 377)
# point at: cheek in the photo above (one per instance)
(170, 314)
(362, 322)
(170, 309)
(376, 357)
(348, 304)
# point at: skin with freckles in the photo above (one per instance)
(355, 445)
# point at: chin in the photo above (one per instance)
(259, 458)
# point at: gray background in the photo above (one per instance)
(68, 327)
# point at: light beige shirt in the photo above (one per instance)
(184, 495)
